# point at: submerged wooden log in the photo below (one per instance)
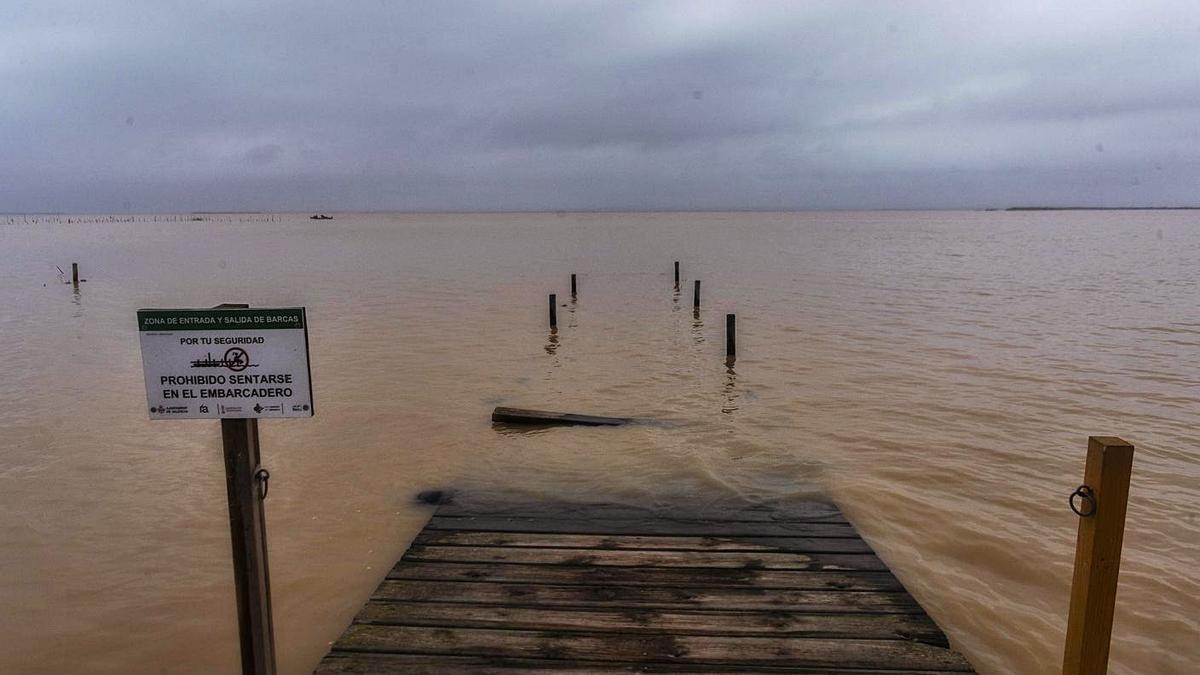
(522, 416)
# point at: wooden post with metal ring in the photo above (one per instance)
(1100, 504)
(246, 488)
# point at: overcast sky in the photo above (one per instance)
(292, 105)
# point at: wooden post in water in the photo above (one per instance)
(676, 275)
(553, 311)
(731, 336)
(1101, 506)
(573, 287)
(248, 532)
(696, 295)
(248, 529)
(75, 274)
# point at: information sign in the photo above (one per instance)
(226, 363)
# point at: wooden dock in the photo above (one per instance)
(596, 588)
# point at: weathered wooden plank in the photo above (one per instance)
(566, 556)
(646, 576)
(646, 527)
(727, 598)
(709, 650)
(524, 416)
(679, 622)
(810, 511)
(374, 663)
(511, 587)
(642, 542)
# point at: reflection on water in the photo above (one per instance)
(507, 429)
(902, 364)
(731, 389)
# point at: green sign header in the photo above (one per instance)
(170, 320)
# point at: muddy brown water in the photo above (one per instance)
(934, 373)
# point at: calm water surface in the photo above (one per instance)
(936, 374)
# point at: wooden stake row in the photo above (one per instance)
(1101, 506)
(730, 319)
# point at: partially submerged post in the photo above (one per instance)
(245, 487)
(553, 311)
(177, 341)
(731, 336)
(676, 275)
(75, 274)
(696, 295)
(573, 284)
(1100, 502)
(248, 533)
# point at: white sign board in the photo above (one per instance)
(214, 363)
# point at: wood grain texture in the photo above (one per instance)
(649, 620)
(734, 598)
(647, 527)
(644, 576)
(1098, 557)
(709, 650)
(377, 663)
(635, 558)
(644, 542)
(505, 588)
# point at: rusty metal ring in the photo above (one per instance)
(1088, 500)
(263, 478)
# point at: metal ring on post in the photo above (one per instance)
(263, 478)
(1088, 500)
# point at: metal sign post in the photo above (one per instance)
(236, 364)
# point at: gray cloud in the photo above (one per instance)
(596, 105)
